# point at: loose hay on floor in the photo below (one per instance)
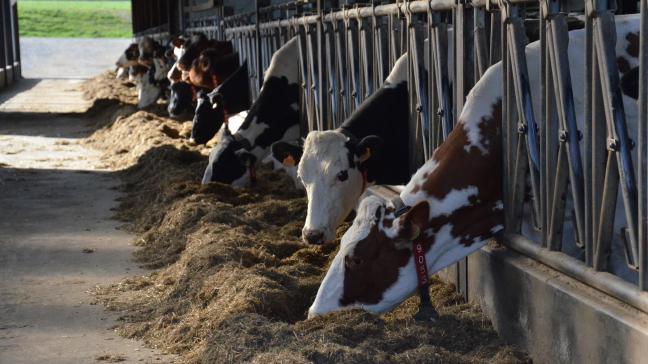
(233, 282)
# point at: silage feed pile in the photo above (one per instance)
(231, 282)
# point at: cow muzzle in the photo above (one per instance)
(314, 237)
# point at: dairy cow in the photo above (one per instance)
(148, 65)
(455, 197)
(185, 52)
(213, 109)
(181, 93)
(370, 147)
(273, 117)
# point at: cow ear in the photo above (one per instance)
(286, 153)
(204, 63)
(413, 222)
(177, 42)
(368, 147)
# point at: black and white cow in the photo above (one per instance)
(129, 57)
(273, 117)
(212, 110)
(370, 147)
(181, 93)
(455, 197)
(148, 65)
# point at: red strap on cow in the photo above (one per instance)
(420, 264)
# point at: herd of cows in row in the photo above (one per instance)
(453, 203)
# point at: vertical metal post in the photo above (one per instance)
(321, 61)
(642, 145)
(464, 47)
(17, 61)
(588, 170)
(257, 31)
(3, 54)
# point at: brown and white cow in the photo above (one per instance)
(455, 197)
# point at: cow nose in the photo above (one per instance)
(314, 237)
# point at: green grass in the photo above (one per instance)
(75, 19)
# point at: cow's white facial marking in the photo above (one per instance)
(331, 290)
(333, 183)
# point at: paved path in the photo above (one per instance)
(57, 241)
(69, 57)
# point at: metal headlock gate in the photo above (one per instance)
(9, 44)
(346, 51)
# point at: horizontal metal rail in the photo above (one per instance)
(602, 281)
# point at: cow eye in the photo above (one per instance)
(343, 176)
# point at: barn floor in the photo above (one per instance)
(57, 240)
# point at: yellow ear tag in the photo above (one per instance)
(289, 161)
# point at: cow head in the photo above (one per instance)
(207, 119)
(176, 51)
(198, 43)
(180, 99)
(230, 97)
(148, 50)
(147, 90)
(129, 57)
(212, 67)
(150, 83)
(286, 156)
(229, 162)
(332, 172)
(367, 270)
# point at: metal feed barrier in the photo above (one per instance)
(9, 44)
(347, 51)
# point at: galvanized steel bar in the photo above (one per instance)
(642, 145)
